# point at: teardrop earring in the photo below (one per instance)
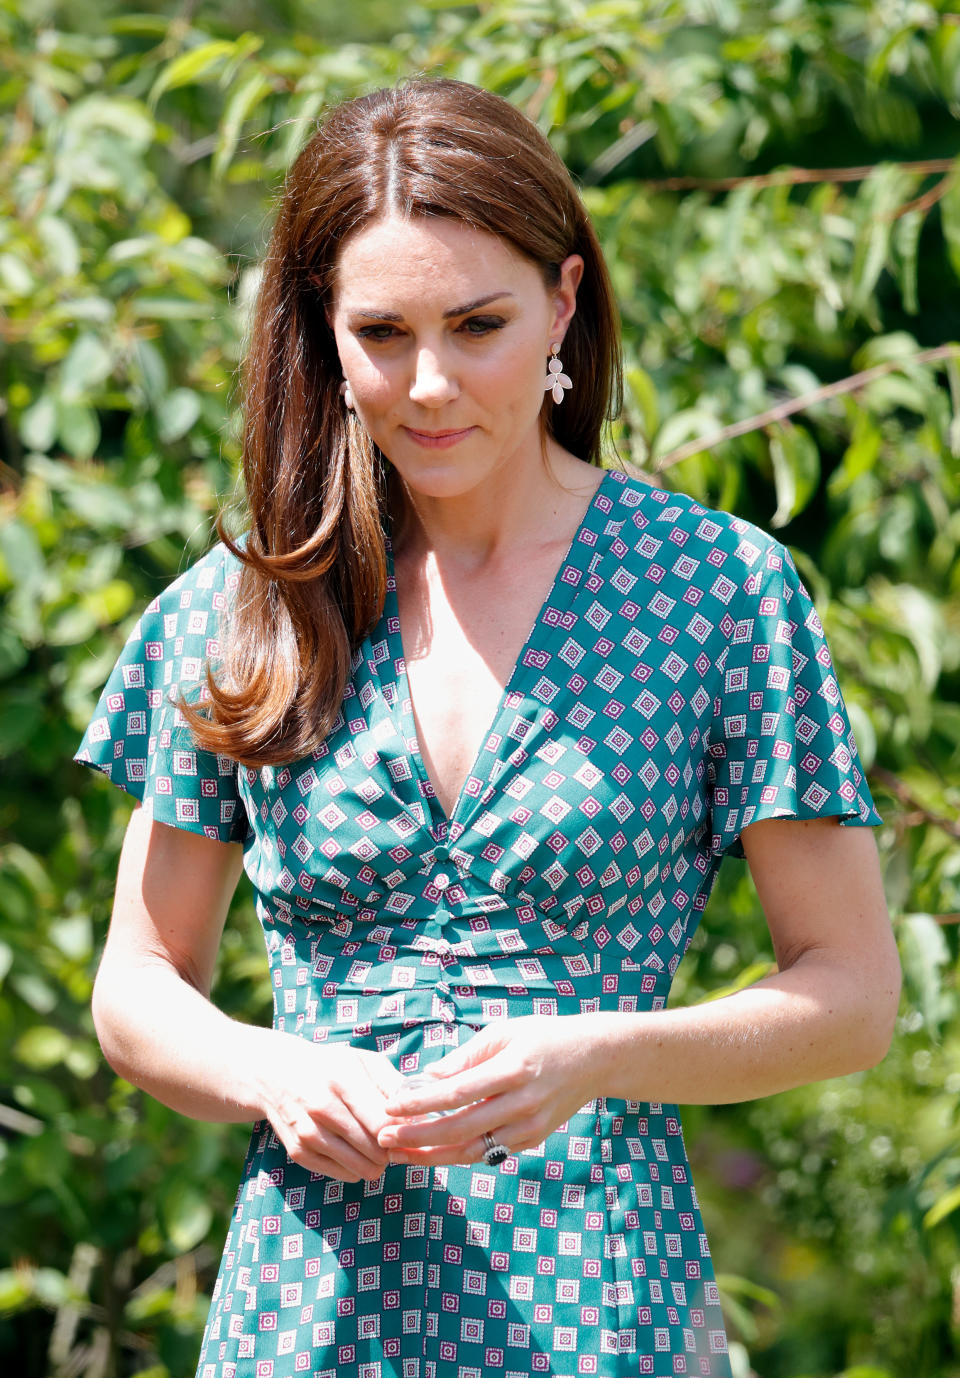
(556, 380)
(346, 394)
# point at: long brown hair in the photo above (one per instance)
(314, 559)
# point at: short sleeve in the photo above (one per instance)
(137, 736)
(781, 743)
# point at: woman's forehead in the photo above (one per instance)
(427, 259)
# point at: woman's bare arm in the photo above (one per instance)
(828, 1010)
(159, 1030)
(830, 1007)
(155, 1023)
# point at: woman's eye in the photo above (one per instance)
(482, 325)
(376, 332)
(474, 325)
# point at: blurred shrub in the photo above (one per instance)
(776, 190)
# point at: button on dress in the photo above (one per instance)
(675, 687)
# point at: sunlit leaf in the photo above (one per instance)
(796, 471)
(185, 1211)
(177, 413)
(925, 953)
(41, 1046)
(191, 66)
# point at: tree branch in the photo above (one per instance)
(793, 176)
(903, 795)
(797, 404)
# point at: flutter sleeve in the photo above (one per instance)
(781, 743)
(137, 736)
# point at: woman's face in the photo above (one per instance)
(444, 334)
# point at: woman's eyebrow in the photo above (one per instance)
(447, 315)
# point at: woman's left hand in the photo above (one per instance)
(517, 1079)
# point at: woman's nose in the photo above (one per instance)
(432, 383)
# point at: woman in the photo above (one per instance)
(498, 713)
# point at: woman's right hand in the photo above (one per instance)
(326, 1104)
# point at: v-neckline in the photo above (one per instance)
(445, 822)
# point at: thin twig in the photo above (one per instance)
(22, 1123)
(808, 399)
(166, 1274)
(82, 1264)
(928, 199)
(903, 795)
(539, 98)
(615, 153)
(792, 176)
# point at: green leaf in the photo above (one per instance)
(169, 308)
(644, 393)
(115, 113)
(746, 1287)
(16, 276)
(71, 625)
(38, 424)
(110, 601)
(906, 243)
(688, 424)
(755, 971)
(925, 954)
(864, 733)
(61, 244)
(177, 413)
(860, 456)
(79, 429)
(796, 470)
(243, 101)
(35, 991)
(186, 1214)
(897, 345)
(15, 1292)
(879, 196)
(42, 1046)
(21, 713)
(87, 364)
(73, 936)
(944, 1205)
(190, 67)
(21, 558)
(950, 219)
(865, 1371)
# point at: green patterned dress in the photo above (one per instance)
(675, 686)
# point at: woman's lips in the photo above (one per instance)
(437, 440)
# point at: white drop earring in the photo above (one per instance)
(346, 394)
(556, 380)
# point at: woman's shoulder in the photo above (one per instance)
(670, 526)
(207, 581)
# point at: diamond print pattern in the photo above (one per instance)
(675, 688)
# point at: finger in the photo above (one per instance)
(365, 1095)
(322, 1150)
(343, 1136)
(493, 1077)
(358, 1121)
(387, 1078)
(330, 1167)
(458, 1127)
(515, 1137)
(492, 1039)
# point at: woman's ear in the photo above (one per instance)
(565, 295)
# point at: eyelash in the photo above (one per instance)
(489, 323)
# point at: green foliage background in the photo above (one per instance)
(776, 188)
